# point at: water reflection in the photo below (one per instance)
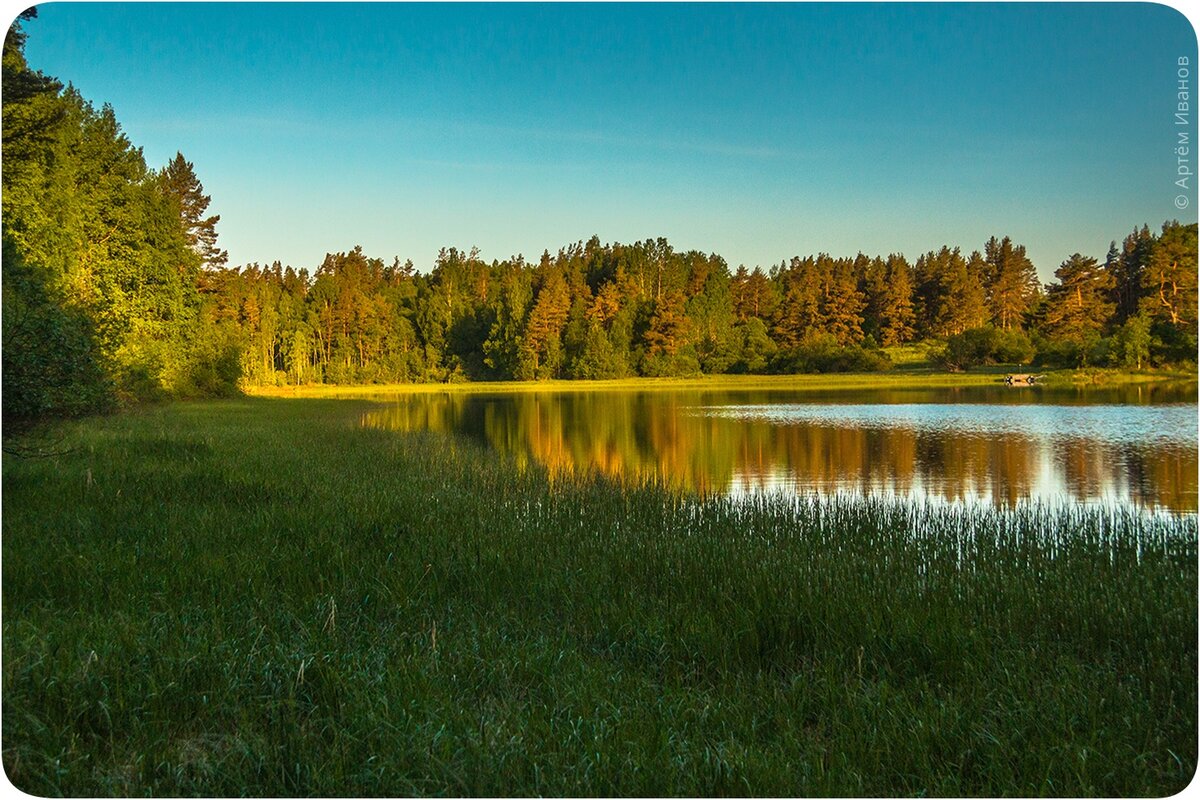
(1135, 446)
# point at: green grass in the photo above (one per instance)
(912, 370)
(262, 597)
(915, 355)
(866, 380)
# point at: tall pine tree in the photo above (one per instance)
(178, 180)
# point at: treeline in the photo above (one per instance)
(614, 310)
(101, 259)
(114, 289)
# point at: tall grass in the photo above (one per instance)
(260, 597)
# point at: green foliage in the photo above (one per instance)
(599, 359)
(99, 274)
(215, 362)
(890, 313)
(1173, 345)
(756, 346)
(1084, 349)
(949, 292)
(179, 182)
(680, 364)
(606, 311)
(987, 345)
(821, 352)
(1078, 307)
(51, 365)
(1012, 283)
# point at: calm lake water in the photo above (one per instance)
(1133, 446)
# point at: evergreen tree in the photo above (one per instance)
(667, 339)
(98, 237)
(1169, 277)
(841, 303)
(541, 353)
(800, 309)
(1079, 305)
(1013, 285)
(1135, 257)
(503, 345)
(892, 303)
(951, 292)
(178, 180)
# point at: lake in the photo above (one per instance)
(1132, 446)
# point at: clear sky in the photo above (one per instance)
(757, 132)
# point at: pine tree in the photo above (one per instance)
(894, 307)
(669, 325)
(541, 348)
(753, 294)
(503, 345)
(841, 304)
(799, 311)
(179, 181)
(951, 291)
(1013, 284)
(1169, 278)
(1135, 257)
(1079, 304)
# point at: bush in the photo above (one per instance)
(51, 365)
(757, 347)
(599, 360)
(678, 365)
(987, 345)
(1131, 343)
(215, 367)
(821, 353)
(1082, 351)
(1172, 345)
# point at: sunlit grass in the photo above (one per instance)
(788, 382)
(915, 373)
(262, 597)
(915, 355)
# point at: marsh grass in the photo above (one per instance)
(260, 597)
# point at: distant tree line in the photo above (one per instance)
(614, 310)
(115, 288)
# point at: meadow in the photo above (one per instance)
(261, 596)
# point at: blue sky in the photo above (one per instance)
(754, 131)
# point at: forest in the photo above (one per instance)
(116, 291)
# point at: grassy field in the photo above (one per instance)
(260, 596)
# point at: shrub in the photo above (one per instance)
(987, 345)
(51, 365)
(821, 353)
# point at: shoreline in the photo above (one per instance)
(801, 382)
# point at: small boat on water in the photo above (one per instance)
(1020, 380)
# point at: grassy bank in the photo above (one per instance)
(260, 596)
(798, 382)
(932, 379)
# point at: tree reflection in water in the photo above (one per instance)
(1126, 447)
